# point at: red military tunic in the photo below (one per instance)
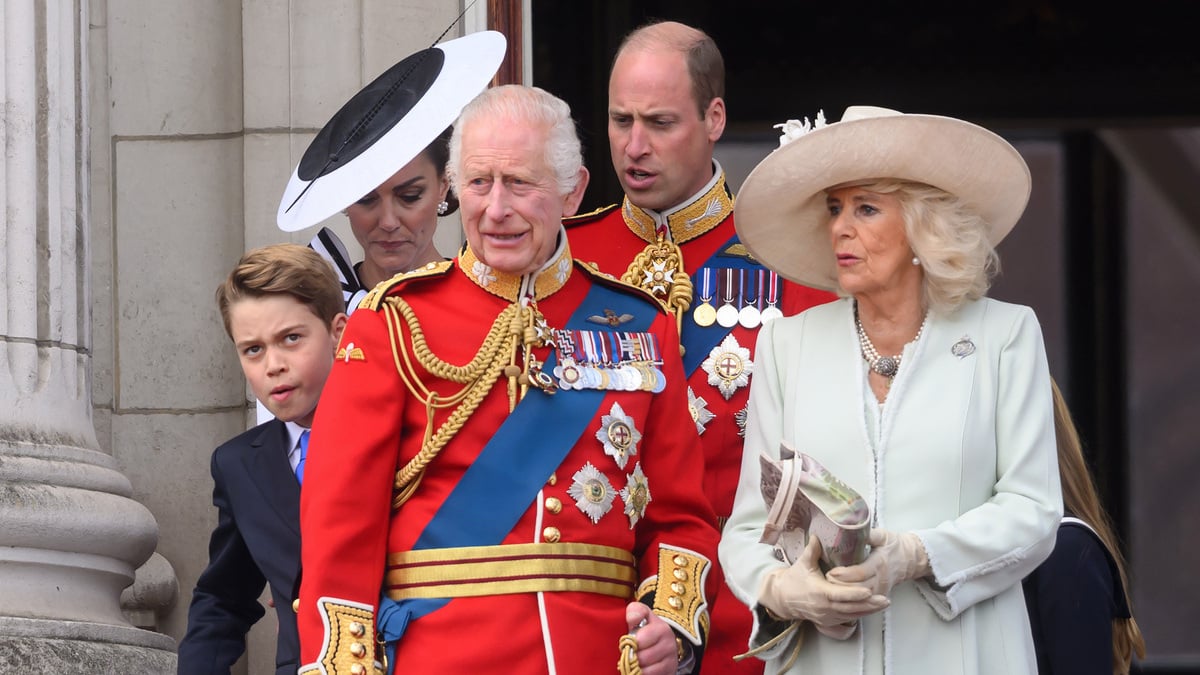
(371, 422)
(612, 239)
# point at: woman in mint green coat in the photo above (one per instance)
(925, 397)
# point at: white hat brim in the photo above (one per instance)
(780, 212)
(470, 63)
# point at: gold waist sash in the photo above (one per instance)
(474, 571)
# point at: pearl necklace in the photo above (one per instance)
(886, 366)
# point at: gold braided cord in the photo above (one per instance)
(479, 375)
(628, 663)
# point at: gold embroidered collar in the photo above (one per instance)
(546, 280)
(701, 213)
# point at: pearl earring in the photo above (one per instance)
(916, 260)
(345, 212)
(443, 207)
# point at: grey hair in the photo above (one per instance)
(514, 102)
(949, 238)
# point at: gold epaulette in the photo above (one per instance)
(376, 295)
(589, 217)
(592, 270)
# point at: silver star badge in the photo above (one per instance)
(740, 418)
(618, 434)
(728, 366)
(698, 407)
(592, 491)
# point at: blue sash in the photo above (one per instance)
(699, 340)
(499, 485)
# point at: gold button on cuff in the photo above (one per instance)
(296, 605)
(553, 504)
(358, 669)
(358, 650)
(357, 629)
(675, 602)
(680, 574)
(680, 560)
(678, 588)
(551, 535)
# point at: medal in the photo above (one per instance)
(727, 314)
(705, 314)
(772, 290)
(748, 315)
(618, 435)
(698, 407)
(728, 366)
(636, 495)
(592, 491)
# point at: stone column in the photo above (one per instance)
(71, 536)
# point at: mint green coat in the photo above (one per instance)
(962, 453)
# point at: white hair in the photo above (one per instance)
(519, 103)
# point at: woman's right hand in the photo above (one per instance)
(802, 592)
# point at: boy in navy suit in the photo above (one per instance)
(283, 308)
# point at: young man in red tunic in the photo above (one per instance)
(673, 235)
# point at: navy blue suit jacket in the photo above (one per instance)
(256, 542)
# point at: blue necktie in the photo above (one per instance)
(303, 456)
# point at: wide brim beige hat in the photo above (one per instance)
(780, 211)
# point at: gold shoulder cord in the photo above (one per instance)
(508, 331)
(659, 270)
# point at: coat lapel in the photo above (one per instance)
(268, 462)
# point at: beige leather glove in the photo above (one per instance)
(802, 592)
(894, 558)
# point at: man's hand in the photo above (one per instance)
(657, 651)
(894, 558)
(802, 592)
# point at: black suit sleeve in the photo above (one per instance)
(225, 602)
(1071, 603)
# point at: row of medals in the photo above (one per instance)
(735, 309)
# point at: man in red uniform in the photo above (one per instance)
(673, 235)
(497, 481)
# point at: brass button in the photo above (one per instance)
(551, 535)
(678, 588)
(681, 575)
(358, 650)
(296, 605)
(358, 669)
(553, 504)
(680, 560)
(553, 479)
(675, 602)
(357, 629)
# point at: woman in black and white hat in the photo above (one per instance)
(925, 397)
(381, 161)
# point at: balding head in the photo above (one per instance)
(706, 68)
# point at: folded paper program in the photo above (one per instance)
(803, 498)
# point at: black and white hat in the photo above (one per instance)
(386, 125)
